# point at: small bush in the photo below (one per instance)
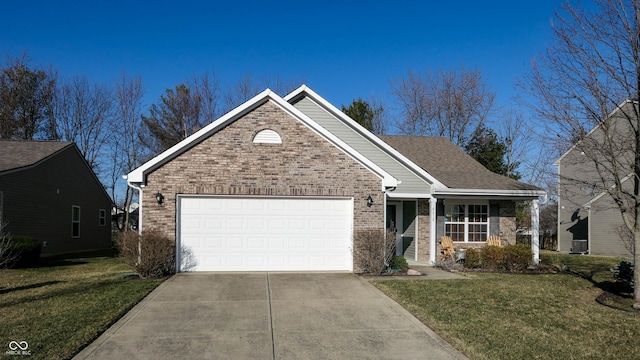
(399, 262)
(624, 276)
(152, 254)
(473, 259)
(370, 257)
(20, 251)
(517, 257)
(492, 257)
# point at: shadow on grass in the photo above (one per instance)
(74, 258)
(605, 285)
(27, 287)
(60, 292)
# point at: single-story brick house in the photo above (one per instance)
(49, 192)
(290, 183)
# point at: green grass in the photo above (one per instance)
(517, 316)
(64, 304)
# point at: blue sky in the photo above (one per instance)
(341, 49)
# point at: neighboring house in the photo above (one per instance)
(589, 221)
(49, 192)
(292, 184)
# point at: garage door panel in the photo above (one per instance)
(266, 234)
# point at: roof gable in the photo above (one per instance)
(620, 108)
(138, 175)
(16, 155)
(304, 91)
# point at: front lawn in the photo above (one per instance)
(524, 316)
(64, 304)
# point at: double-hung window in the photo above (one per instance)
(102, 217)
(75, 221)
(466, 222)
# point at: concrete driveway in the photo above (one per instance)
(268, 316)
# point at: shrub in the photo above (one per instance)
(152, 254)
(492, 257)
(399, 262)
(517, 257)
(19, 251)
(624, 276)
(473, 259)
(370, 257)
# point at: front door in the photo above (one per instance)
(394, 223)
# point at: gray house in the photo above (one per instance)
(291, 184)
(589, 221)
(49, 192)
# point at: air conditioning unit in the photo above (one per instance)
(579, 246)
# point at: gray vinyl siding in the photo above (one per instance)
(573, 218)
(578, 185)
(604, 223)
(37, 202)
(411, 183)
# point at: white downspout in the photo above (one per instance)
(139, 206)
(432, 233)
(535, 231)
(139, 188)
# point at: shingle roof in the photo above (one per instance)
(16, 154)
(450, 165)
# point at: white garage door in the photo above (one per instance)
(264, 234)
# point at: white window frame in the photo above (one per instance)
(102, 217)
(74, 221)
(466, 223)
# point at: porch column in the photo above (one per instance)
(535, 231)
(432, 230)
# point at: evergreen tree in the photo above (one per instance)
(175, 117)
(363, 113)
(490, 151)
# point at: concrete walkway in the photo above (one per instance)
(268, 316)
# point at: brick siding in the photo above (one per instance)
(424, 231)
(229, 163)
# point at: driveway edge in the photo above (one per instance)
(95, 344)
(456, 354)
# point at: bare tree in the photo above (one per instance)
(380, 119)
(206, 89)
(8, 254)
(516, 139)
(83, 114)
(127, 152)
(248, 87)
(591, 67)
(26, 97)
(453, 104)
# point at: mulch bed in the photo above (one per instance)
(618, 302)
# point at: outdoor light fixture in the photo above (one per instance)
(159, 198)
(369, 201)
